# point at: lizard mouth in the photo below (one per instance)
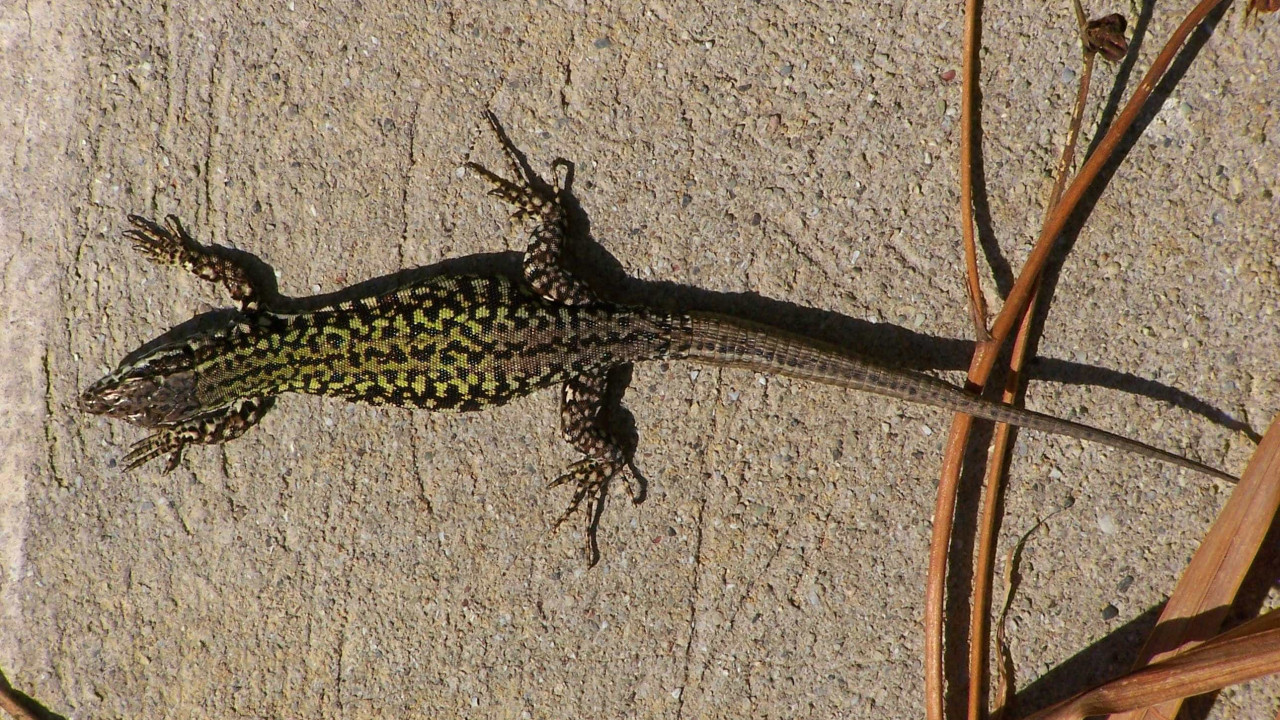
(98, 398)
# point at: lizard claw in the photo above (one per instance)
(591, 477)
(153, 446)
(162, 245)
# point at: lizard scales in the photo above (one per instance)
(460, 342)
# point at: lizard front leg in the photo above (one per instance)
(211, 428)
(544, 268)
(170, 244)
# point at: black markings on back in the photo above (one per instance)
(447, 343)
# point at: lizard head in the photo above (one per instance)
(153, 389)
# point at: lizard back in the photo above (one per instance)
(448, 343)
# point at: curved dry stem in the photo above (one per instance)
(988, 531)
(935, 588)
(1019, 298)
(1002, 444)
(968, 118)
(1209, 585)
(1039, 256)
(1248, 652)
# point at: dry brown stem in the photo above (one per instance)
(1014, 309)
(1248, 652)
(1208, 587)
(1002, 444)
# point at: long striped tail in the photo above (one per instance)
(732, 342)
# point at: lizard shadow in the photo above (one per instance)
(883, 343)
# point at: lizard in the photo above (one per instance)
(467, 342)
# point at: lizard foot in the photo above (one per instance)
(591, 477)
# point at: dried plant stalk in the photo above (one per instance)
(1002, 443)
(985, 354)
(948, 486)
(1248, 652)
(1208, 587)
(1181, 666)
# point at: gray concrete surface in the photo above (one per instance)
(361, 562)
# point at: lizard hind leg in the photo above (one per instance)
(582, 424)
(544, 268)
(211, 428)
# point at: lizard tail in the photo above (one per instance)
(732, 342)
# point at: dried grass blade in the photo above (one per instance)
(1246, 653)
(1208, 587)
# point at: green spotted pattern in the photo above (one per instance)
(450, 343)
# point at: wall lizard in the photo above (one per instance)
(464, 342)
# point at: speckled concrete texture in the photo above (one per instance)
(792, 162)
